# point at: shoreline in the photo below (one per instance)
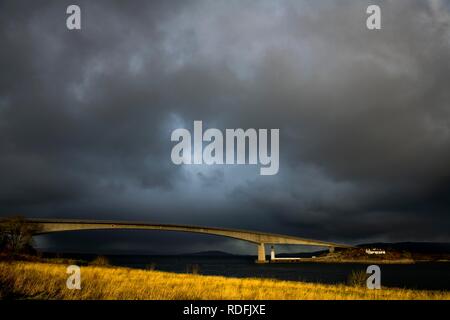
(350, 261)
(38, 280)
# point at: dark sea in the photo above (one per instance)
(430, 276)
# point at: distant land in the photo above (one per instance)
(213, 253)
(55, 251)
(392, 253)
(415, 247)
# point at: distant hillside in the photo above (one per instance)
(413, 247)
(400, 252)
(301, 254)
(210, 253)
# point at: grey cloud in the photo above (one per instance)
(86, 117)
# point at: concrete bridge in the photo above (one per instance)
(44, 226)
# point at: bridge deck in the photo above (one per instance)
(59, 225)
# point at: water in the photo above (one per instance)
(432, 276)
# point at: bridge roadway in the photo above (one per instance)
(44, 226)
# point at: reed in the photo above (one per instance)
(36, 280)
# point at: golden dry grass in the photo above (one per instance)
(48, 281)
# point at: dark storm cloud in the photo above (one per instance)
(86, 116)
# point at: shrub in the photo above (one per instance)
(151, 266)
(16, 235)
(100, 261)
(357, 278)
(193, 268)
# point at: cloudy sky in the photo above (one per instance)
(364, 118)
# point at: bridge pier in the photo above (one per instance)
(261, 253)
(331, 249)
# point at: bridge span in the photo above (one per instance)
(44, 226)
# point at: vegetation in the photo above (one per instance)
(100, 261)
(16, 236)
(357, 279)
(193, 268)
(48, 281)
(359, 255)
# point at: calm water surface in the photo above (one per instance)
(434, 276)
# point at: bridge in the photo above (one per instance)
(45, 226)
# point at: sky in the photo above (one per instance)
(86, 118)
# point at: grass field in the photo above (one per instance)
(36, 280)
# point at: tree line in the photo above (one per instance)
(16, 235)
